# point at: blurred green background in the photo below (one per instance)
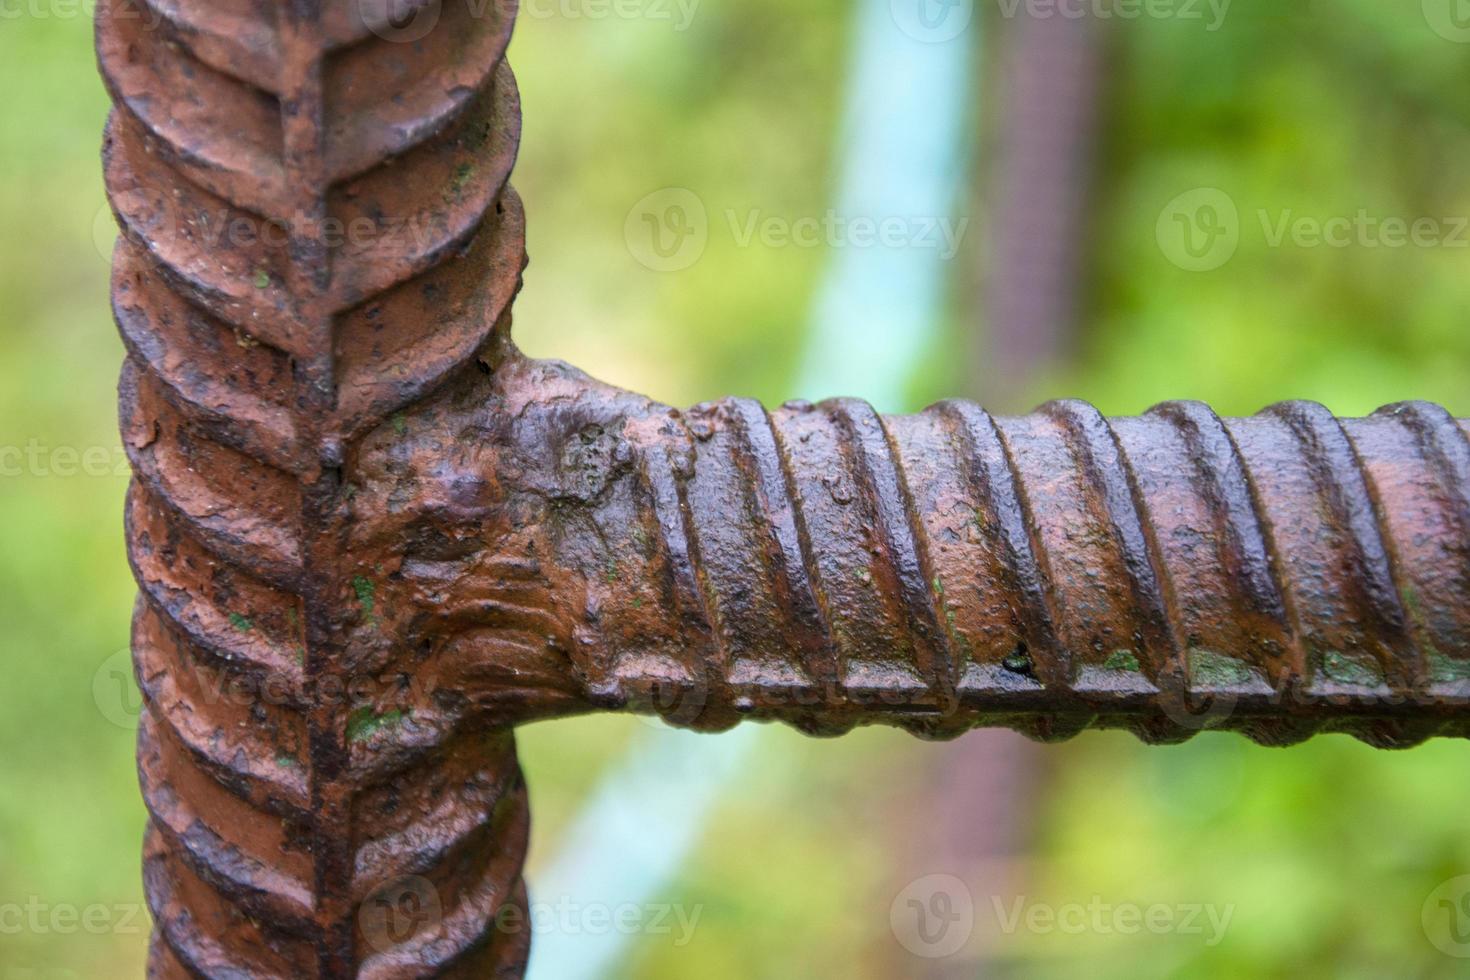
(1325, 853)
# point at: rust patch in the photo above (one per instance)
(371, 537)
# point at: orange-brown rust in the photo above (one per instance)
(371, 538)
(822, 565)
(318, 235)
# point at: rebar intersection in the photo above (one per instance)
(371, 537)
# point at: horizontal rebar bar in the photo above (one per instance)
(820, 564)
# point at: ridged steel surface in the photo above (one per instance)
(318, 232)
(371, 537)
(819, 564)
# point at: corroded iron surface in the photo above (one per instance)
(822, 565)
(371, 537)
(318, 234)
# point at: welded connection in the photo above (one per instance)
(370, 537)
(819, 564)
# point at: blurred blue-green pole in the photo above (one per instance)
(876, 311)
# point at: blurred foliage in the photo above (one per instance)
(1325, 853)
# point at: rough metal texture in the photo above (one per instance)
(371, 537)
(318, 235)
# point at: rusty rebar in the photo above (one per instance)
(371, 537)
(317, 235)
(825, 566)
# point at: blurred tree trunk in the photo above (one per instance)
(1048, 100)
(976, 818)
